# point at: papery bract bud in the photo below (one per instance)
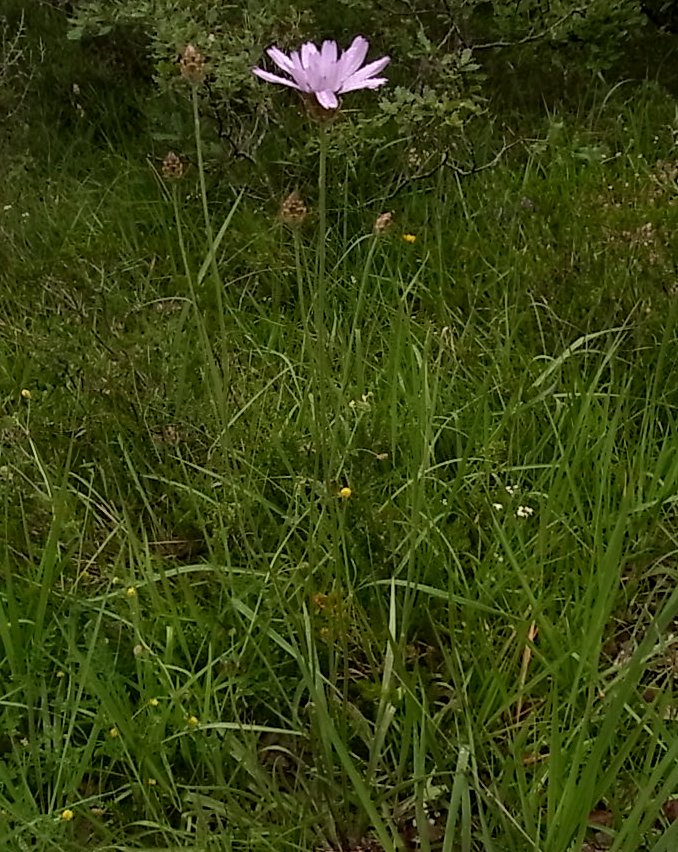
(293, 211)
(383, 223)
(192, 65)
(173, 166)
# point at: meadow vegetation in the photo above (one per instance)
(389, 568)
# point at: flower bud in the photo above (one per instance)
(173, 167)
(383, 223)
(192, 65)
(293, 211)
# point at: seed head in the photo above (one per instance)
(383, 223)
(293, 211)
(173, 166)
(192, 65)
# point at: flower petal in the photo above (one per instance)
(358, 79)
(282, 60)
(328, 64)
(310, 57)
(308, 53)
(299, 73)
(327, 99)
(274, 78)
(371, 83)
(352, 58)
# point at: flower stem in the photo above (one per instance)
(320, 311)
(205, 209)
(322, 377)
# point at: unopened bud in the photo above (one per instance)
(293, 211)
(383, 222)
(173, 166)
(192, 65)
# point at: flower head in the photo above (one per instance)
(192, 65)
(345, 493)
(293, 211)
(173, 167)
(324, 73)
(67, 815)
(383, 223)
(410, 238)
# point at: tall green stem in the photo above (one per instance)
(320, 308)
(206, 214)
(322, 370)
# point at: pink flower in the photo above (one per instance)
(324, 73)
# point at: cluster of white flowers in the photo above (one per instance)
(522, 511)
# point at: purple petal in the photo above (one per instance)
(327, 99)
(328, 65)
(372, 83)
(358, 79)
(328, 52)
(308, 52)
(299, 73)
(274, 78)
(310, 57)
(281, 59)
(353, 57)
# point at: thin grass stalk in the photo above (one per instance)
(206, 213)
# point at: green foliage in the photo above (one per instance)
(18, 61)
(206, 641)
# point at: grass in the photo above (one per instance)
(206, 643)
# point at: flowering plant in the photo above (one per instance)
(325, 73)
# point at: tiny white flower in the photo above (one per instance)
(511, 489)
(524, 512)
(498, 506)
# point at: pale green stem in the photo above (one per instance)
(351, 357)
(323, 377)
(320, 312)
(205, 209)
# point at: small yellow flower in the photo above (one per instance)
(131, 592)
(410, 238)
(67, 815)
(153, 702)
(345, 493)
(25, 393)
(113, 733)
(151, 782)
(192, 721)
(60, 674)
